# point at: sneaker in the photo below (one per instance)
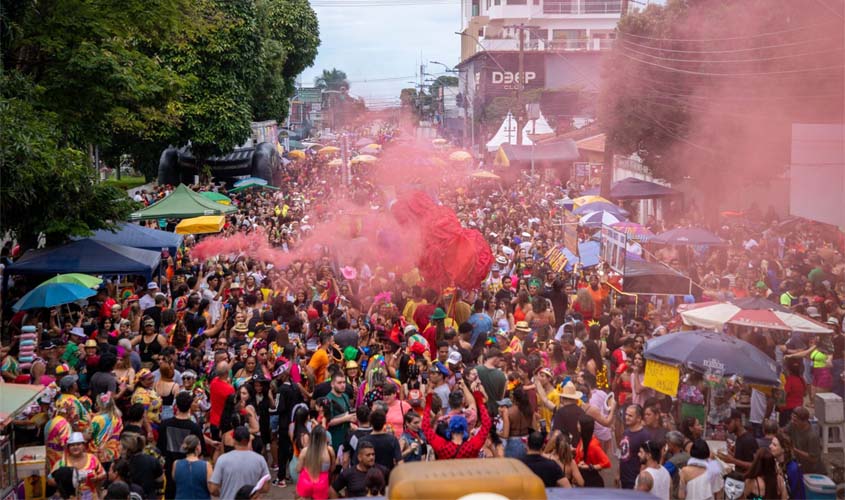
(274, 468)
(280, 483)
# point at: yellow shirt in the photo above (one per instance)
(410, 309)
(545, 413)
(320, 364)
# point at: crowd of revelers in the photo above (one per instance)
(231, 377)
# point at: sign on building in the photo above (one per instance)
(503, 79)
(613, 248)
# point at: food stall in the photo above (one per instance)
(14, 398)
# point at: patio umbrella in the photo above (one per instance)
(327, 150)
(296, 154)
(595, 206)
(440, 142)
(219, 198)
(85, 280)
(51, 295)
(363, 141)
(484, 174)
(633, 230)
(583, 200)
(250, 181)
(704, 351)
(598, 219)
(363, 159)
(460, 156)
(371, 149)
(688, 236)
(759, 313)
(337, 162)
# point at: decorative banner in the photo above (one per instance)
(662, 377)
(556, 259)
(570, 232)
(614, 248)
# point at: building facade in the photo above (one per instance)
(562, 42)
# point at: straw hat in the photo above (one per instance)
(569, 392)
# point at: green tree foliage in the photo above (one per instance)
(333, 79)
(442, 81)
(49, 187)
(408, 97)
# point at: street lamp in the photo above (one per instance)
(449, 69)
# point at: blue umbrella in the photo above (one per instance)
(251, 181)
(703, 351)
(688, 236)
(53, 294)
(599, 206)
(597, 219)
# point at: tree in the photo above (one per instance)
(442, 81)
(333, 79)
(408, 97)
(49, 187)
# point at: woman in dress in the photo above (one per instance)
(146, 396)
(316, 460)
(87, 471)
(589, 455)
(191, 474)
(106, 427)
(166, 389)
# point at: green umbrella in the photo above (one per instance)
(244, 188)
(219, 198)
(85, 280)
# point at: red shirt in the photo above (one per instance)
(219, 390)
(105, 311)
(595, 454)
(430, 335)
(794, 389)
(445, 449)
(422, 315)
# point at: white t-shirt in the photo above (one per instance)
(146, 302)
(661, 482)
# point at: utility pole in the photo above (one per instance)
(521, 84)
(607, 168)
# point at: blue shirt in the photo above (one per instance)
(481, 325)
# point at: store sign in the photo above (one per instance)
(501, 76)
(662, 377)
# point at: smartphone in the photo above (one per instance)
(457, 375)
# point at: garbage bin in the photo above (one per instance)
(819, 487)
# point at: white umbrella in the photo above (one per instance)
(597, 219)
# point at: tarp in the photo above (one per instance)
(16, 397)
(90, 257)
(652, 277)
(182, 203)
(135, 236)
(632, 188)
(589, 255)
(201, 225)
(563, 150)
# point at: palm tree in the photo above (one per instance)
(332, 80)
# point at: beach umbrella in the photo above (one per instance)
(327, 150)
(219, 198)
(751, 312)
(440, 142)
(598, 219)
(296, 154)
(372, 149)
(460, 156)
(706, 351)
(363, 159)
(363, 141)
(633, 230)
(51, 295)
(250, 182)
(337, 162)
(597, 206)
(590, 198)
(85, 280)
(484, 174)
(688, 236)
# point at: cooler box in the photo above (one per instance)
(32, 471)
(819, 487)
(829, 408)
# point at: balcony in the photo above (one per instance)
(576, 44)
(582, 7)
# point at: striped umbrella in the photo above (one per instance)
(633, 230)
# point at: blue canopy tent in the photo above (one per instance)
(589, 255)
(87, 256)
(135, 236)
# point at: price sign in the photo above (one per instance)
(662, 377)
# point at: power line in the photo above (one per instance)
(733, 75)
(736, 61)
(727, 39)
(727, 51)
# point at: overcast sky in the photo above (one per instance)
(371, 43)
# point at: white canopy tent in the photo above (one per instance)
(507, 132)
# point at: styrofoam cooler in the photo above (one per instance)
(32, 470)
(829, 408)
(819, 487)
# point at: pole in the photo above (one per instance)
(607, 168)
(345, 175)
(521, 84)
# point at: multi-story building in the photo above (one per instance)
(562, 45)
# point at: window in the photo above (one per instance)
(517, 2)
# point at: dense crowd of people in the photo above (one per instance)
(229, 377)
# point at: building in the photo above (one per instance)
(562, 41)
(306, 111)
(817, 172)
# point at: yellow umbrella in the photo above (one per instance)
(590, 198)
(201, 225)
(363, 159)
(501, 159)
(460, 156)
(296, 154)
(440, 142)
(336, 162)
(371, 149)
(373, 146)
(328, 150)
(484, 174)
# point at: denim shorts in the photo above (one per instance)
(274, 424)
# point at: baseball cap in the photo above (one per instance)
(62, 369)
(76, 438)
(454, 358)
(152, 285)
(66, 383)
(442, 369)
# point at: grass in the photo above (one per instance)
(126, 182)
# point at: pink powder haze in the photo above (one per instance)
(409, 231)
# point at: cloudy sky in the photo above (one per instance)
(380, 43)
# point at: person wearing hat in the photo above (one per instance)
(149, 299)
(149, 344)
(88, 472)
(521, 330)
(105, 302)
(436, 329)
(68, 400)
(147, 396)
(57, 430)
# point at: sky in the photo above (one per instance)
(380, 44)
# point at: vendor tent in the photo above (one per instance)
(16, 397)
(182, 203)
(588, 255)
(558, 151)
(652, 277)
(88, 256)
(507, 132)
(201, 225)
(632, 188)
(135, 236)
